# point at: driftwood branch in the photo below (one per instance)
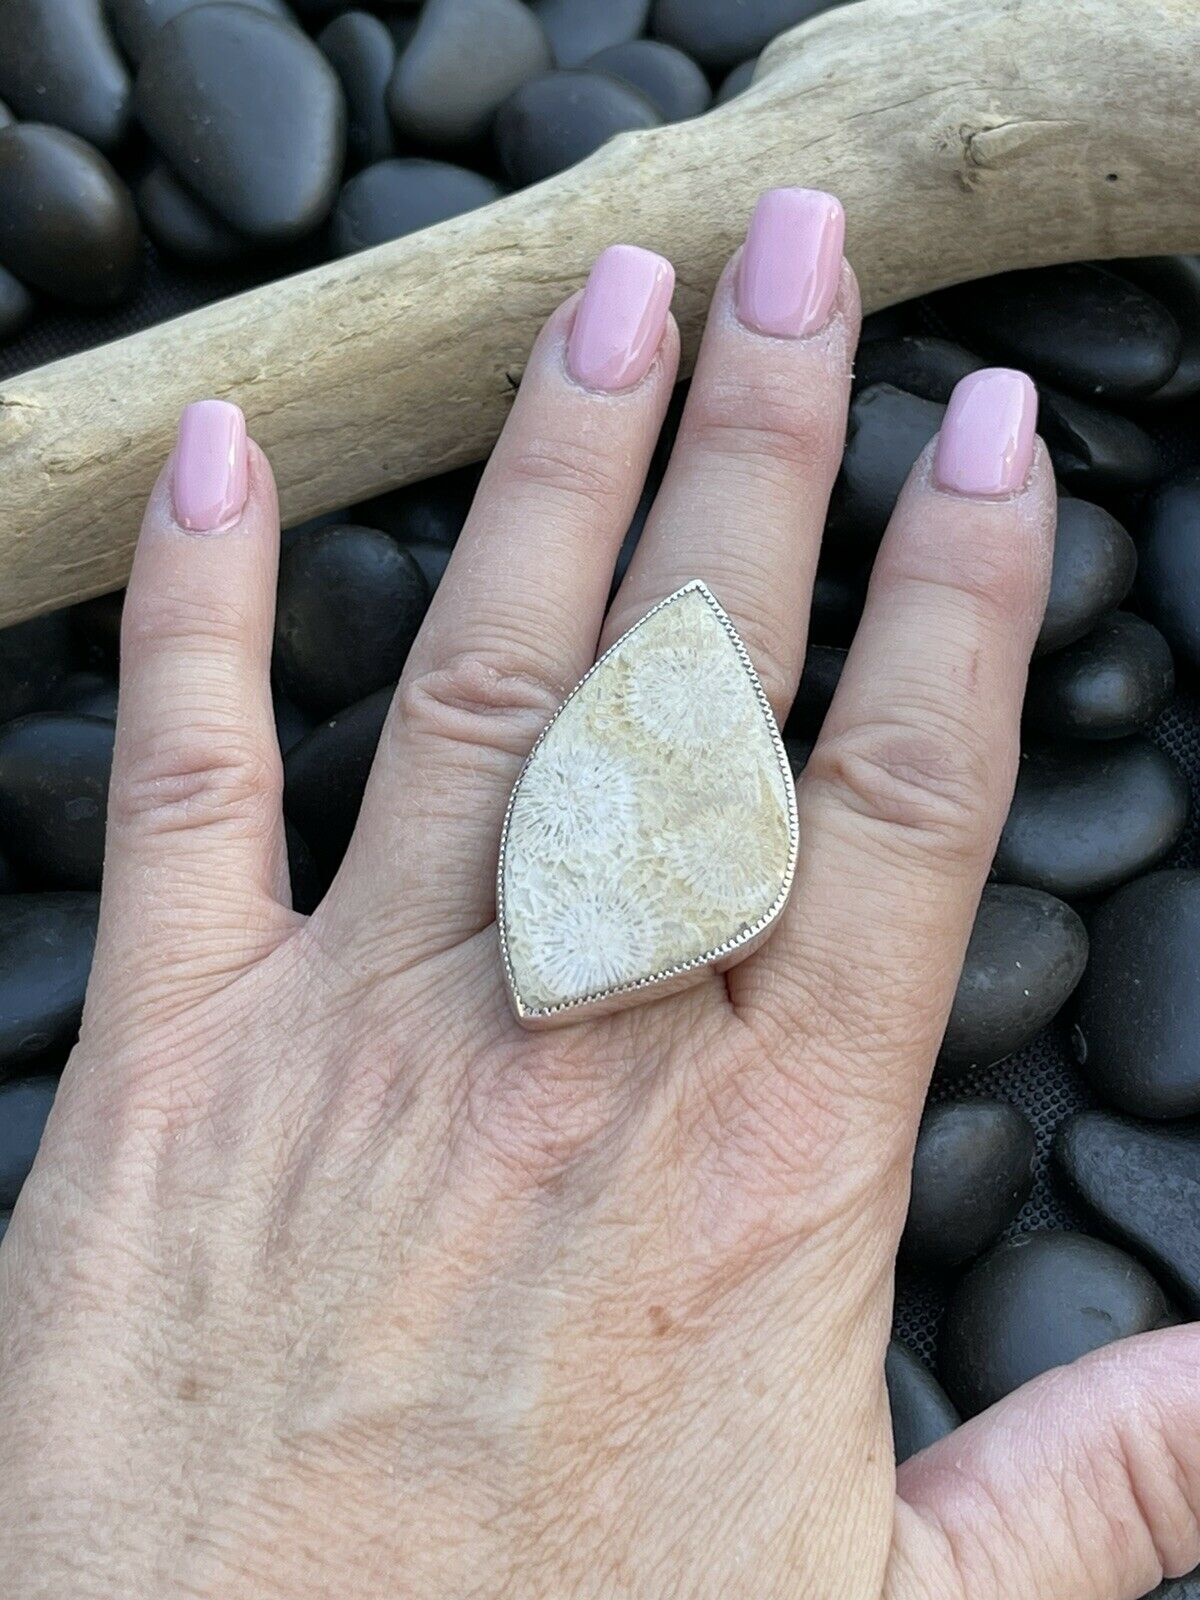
(964, 139)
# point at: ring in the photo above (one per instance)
(651, 833)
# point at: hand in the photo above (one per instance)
(330, 1280)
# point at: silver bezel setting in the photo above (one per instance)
(722, 956)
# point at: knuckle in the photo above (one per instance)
(199, 778)
(571, 472)
(493, 702)
(767, 426)
(931, 784)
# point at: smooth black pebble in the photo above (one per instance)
(922, 1411)
(577, 29)
(464, 60)
(308, 882)
(402, 195)
(137, 21)
(1038, 1302)
(58, 64)
(17, 305)
(918, 363)
(349, 605)
(1079, 327)
(184, 226)
(54, 771)
(1026, 954)
(972, 1172)
(837, 607)
(1097, 452)
(1094, 565)
(35, 656)
(68, 224)
(1174, 281)
(888, 429)
(432, 511)
(554, 121)
(86, 694)
(720, 33)
(249, 114)
(1137, 1032)
(1168, 586)
(46, 944)
(361, 50)
(1142, 1185)
(823, 667)
(736, 82)
(668, 78)
(1111, 683)
(1087, 817)
(24, 1107)
(325, 774)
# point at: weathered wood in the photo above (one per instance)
(964, 138)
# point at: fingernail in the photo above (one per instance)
(791, 263)
(210, 482)
(621, 318)
(986, 442)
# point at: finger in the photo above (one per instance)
(902, 801)
(195, 868)
(1084, 1484)
(514, 623)
(745, 496)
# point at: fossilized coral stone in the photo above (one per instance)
(653, 828)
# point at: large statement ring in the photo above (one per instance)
(652, 831)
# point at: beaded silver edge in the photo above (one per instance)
(754, 930)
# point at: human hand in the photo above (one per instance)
(329, 1279)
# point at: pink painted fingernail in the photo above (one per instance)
(791, 263)
(986, 442)
(621, 319)
(210, 482)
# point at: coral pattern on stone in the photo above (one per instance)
(653, 829)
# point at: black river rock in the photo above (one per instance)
(1112, 682)
(35, 656)
(183, 225)
(922, 1412)
(1142, 1185)
(1038, 1302)
(1138, 1019)
(720, 33)
(58, 64)
(576, 29)
(1079, 327)
(1168, 586)
(1087, 817)
(1094, 565)
(664, 75)
(68, 224)
(972, 1173)
(137, 21)
(46, 943)
(401, 195)
(465, 58)
(555, 120)
(350, 603)
(54, 771)
(250, 115)
(1026, 954)
(888, 429)
(325, 774)
(361, 50)
(24, 1107)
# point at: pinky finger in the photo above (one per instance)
(195, 867)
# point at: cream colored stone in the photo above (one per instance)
(653, 829)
